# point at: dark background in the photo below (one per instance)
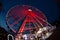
(51, 8)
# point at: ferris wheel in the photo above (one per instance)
(23, 19)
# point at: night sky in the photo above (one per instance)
(48, 7)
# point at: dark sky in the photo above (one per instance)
(48, 7)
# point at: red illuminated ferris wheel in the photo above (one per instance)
(23, 19)
(27, 16)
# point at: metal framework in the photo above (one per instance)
(26, 15)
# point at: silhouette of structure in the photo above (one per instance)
(3, 34)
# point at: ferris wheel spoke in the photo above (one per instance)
(42, 20)
(15, 22)
(13, 30)
(37, 20)
(35, 23)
